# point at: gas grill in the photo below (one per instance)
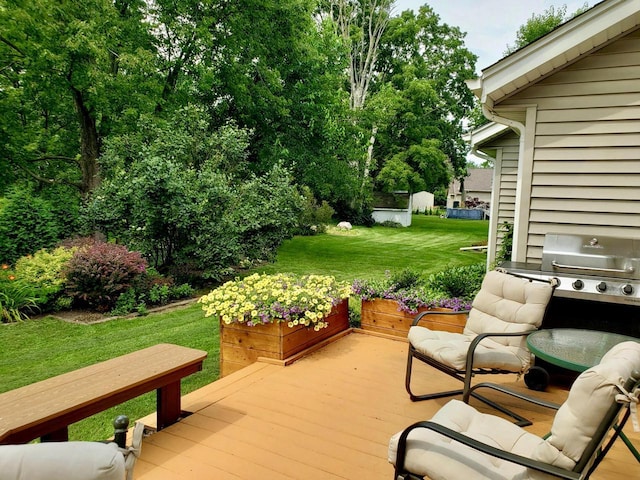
(598, 282)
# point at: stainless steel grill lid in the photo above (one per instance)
(591, 255)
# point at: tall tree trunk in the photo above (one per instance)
(361, 24)
(89, 145)
(368, 163)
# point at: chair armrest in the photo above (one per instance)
(476, 341)
(481, 336)
(420, 316)
(481, 447)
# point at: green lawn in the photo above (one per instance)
(429, 245)
(38, 349)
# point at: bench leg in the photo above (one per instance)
(168, 404)
(61, 435)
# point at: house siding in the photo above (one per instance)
(586, 158)
(505, 181)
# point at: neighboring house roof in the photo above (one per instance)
(598, 26)
(477, 180)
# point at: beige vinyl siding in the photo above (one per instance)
(586, 160)
(506, 180)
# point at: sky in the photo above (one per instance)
(490, 25)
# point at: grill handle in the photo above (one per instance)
(594, 269)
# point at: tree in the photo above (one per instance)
(426, 63)
(66, 81)
(361, 24)
(541, 24)
(169, 195)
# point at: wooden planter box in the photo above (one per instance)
(383, 316)
(241, 345)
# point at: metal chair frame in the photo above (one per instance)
(592, 456)
(469, 371)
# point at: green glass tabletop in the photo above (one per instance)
(573, 349)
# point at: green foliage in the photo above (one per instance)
(398, 175)
(421, 167)
(127, 302)
(150, 289)
(458, 281)
(264, 212)
(17, 299)
(426, 63)
(70, 72)
(539, 25)
(314, 217)
(27, 224)
(405, 279)
(45, 272)
(98, 274)
(176, 205)
(506, 244)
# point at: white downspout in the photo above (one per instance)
(520, 129)
(480, 154)
(493, 223)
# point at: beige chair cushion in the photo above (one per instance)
(62, 461)
(440, 458)
(504, 304)
(591, 395)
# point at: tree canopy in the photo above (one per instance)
(539, 25)
(342, 95)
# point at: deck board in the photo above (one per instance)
(328, 416)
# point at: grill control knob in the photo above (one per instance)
(627, 289)
(578, 285)
(601, 287)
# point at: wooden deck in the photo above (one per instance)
(328, 416)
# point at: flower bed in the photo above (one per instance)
(275, 316)
(241, 344)
(390, 305)
(385, 316)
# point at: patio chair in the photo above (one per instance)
(73, 460)
(460, 442)
(505, 310)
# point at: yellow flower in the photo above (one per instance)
(279, 295)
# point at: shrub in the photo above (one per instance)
(27, 224)
(17, 299)
(314, 218)
(506, 245)
(126, 303)
(406, 279)
(44, 270)
(150, 289)
(179, 210)
(98, 274)
(461, 282)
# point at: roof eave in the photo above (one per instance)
(485, 133)
(593, 29)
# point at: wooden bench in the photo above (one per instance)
(45, 409)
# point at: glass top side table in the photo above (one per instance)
(573, 349)
(577, 350)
